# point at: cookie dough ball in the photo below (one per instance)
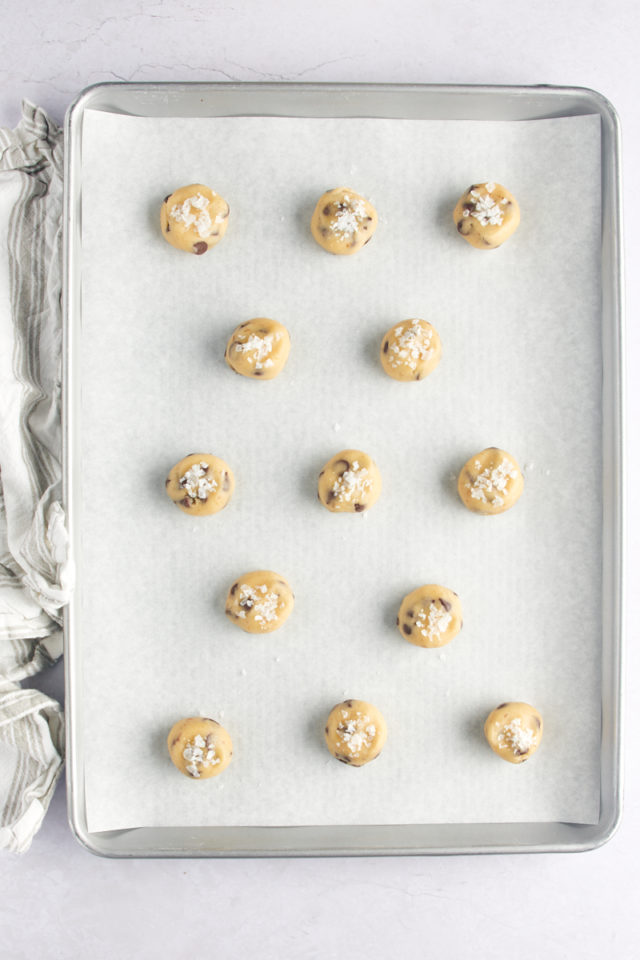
(410, 350)
(258, 348)
(200, 484)
(430, 616)
(490, 482)
(514, 731)
(349, 483)
(343, 221)
(194, 218)
(486, 215)
(199, 747)
(259, 602)
(355, 732)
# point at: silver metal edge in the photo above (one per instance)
(608, 825)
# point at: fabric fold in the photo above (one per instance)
(35, 573)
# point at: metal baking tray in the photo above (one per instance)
(411, 101)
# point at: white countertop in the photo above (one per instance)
(58, 901)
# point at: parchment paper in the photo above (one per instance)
(521, 369)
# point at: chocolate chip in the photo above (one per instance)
(474, 186)
(386, 346)
(326, 210)
(537, 720)
(321, 474)
(487, 243)
(166, 198)
(349, 703)
(226, 214)
(258, 373)
(233, 589)
(205, 469)
(216, 233)
(326, 729)
(343, 759)
(410, 614)
(369, 218)
(186, 502)
(461, 225)
(359, 507)
(500, 706)
(167, 481)
(324, 231)
(366, 241)
(200, 247)
(445, 604)
(339, 468)
(226, 482)
(168, 227)
(519, 753)
(397, 621)
(330, 496)
(407, 629)
(468, 206)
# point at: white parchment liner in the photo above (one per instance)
(521, 369)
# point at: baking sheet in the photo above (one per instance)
(521, 369)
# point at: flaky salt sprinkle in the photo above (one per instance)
(493, 482)
(260, 347)
(357, 732)
(411, 345)
(486, 210)
(199, 753)
(262, 603)
(347, 221)
(183, 213)
(196, 483)
(516, 737)
(353, 483)
(437, 622)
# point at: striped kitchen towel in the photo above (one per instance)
(34, 572)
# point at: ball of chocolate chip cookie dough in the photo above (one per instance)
(258, 348)
(259, 601)
(199, 747)
(200, 484)
(486, 215)
(490, 482)
(194, 218)
(514, 731)
(430, 616)
(355, 732)
(343, 221)
(349, 483)
(410, 350)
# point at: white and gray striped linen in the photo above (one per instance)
(34, 573)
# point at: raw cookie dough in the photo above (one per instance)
(430, 616)
(200, 484)
(199, 747)
(343, 221)
(259, 602)
(410, 350)
(514, 731)
(490, 482)
(486, 215)
(355, 732)
(194, 218)
(349, 483)
(258, 348)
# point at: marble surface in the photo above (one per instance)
(58, 901)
